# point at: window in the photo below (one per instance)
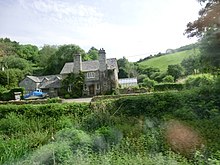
(85, 87)
(97, 86)
(90, 75)
(69, 88)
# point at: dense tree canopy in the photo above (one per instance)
(65, 53)
(45, 53)
(210, 50)
(92, 54)
(209, 17)
(207, 27)
(126, 69)
(175, 70)
(191, 65)
(8, 47)
(28, 52)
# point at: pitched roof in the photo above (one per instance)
(50, 81)
(34, 78)
(89, 66)
(51, 84)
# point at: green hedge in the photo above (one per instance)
(51, 110)
(9, 95)
(168, 86)
(200, 102)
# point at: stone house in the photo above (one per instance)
(49, 84)
(101, 76)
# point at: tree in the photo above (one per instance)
(92, 54)
(8, 47)
(175, 70)
(14, 76)
(208, 18)
(28, 52)
(45, 53)
(147, 70)
(191, 65)
(210, 50)
(3, 78)
(16, 62)
(126, 69)
(64, 54)
(207, 27)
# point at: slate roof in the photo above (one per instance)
(89, 66)
(50, 84)
(34, 78)
(50, 81)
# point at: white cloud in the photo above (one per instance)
(63, 11)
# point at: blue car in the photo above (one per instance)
(38, 94)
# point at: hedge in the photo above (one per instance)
(200, 102)
(168, 86)
(51, 110)
(9, 95)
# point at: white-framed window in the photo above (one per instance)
(90, 75)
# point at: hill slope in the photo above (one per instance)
(162, 62)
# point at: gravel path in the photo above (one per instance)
(80, 100)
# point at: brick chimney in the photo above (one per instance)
(102, 60)
(77, 63)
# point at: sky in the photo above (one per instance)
(130, 28)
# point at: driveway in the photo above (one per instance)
(79, 100)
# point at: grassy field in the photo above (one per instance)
(162, 62)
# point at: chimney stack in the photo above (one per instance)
(102, 60)
(77, 64)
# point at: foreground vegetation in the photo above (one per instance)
(158, 128)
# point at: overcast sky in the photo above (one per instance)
(130, 28)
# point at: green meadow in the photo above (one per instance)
(162, 62)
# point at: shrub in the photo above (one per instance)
(168, 79)
(168, 86)
(45, 110)
(74, 138)
(147, 82)
(54, 100)
(199, 80)
(9, 95)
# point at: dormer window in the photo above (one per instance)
(90, 75)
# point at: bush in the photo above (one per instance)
(168, 86)
(199, 80)
(168, 79)
(45, 110)
(147, 82)
(74, 138)
(9, 95)
(54, 100)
